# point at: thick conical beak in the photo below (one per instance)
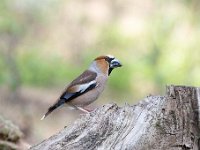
(115, 63)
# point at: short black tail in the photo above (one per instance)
(52, 108)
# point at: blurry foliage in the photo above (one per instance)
(50, 42)
(111, 37)
(40, 71)
(166, 50)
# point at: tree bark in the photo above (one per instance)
(169, 122)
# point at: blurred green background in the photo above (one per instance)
(45, 44)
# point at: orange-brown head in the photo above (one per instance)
(107, 63)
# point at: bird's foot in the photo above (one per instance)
(83, 109)
(89, 110)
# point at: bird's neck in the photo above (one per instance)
(100, 68)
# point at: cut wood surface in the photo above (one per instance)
(169, 122)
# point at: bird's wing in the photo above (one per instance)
(84, 83)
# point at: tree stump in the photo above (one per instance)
(169, 122)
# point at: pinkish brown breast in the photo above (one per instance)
(90, 96)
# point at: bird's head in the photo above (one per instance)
(107, 63)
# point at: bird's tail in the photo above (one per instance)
(53, 107)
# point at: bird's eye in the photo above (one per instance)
(108, 59)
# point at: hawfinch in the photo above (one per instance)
(87, 87)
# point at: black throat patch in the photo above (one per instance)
(110, 70)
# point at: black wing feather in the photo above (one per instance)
(85, 77)
(69, 96)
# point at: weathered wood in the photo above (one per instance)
(169, 122)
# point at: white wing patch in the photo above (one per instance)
(83, 87)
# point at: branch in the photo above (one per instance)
(158, 122)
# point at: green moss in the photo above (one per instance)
(9, 131)
(4, 146)
(159, 127)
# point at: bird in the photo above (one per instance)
(88, 86)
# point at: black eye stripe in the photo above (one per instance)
(108, 59)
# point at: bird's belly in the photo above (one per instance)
(90, 96)
(84, 99)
